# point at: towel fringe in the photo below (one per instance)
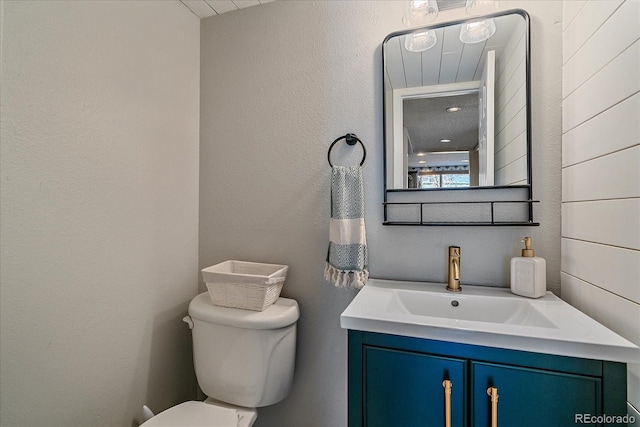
(345, 279)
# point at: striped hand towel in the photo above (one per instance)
(347, 258)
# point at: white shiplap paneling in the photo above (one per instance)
(588, 19)
(614, 83)
(508, 111)
(199, 7)
(394, 63)
(222, 6)
(614, 176)
(612, 311)
(451, 54)
(511, 109)
(412, 65)
(471, 53)
(514, 54)
(514, 173)
(508, 88)
(613, 222)
(514, 127)
(601, 158)
(511, 152)
(431, 61)
(614, 129)
(569, 11)
(608, 267)
(616, 313)
(603, 46)
(206, 8)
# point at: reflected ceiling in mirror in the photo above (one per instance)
(486, 135)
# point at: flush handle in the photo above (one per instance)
(446, 384)
(188, 321)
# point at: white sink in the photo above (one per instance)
(470, 307)
(486, 316)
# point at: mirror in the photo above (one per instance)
(457, 113)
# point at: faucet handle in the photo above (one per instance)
(454, 250)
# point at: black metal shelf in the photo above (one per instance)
(491, 203)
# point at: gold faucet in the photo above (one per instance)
(453, 283)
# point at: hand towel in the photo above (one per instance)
(347, 258)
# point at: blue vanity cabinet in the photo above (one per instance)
(532, 397)
(405, 388)
(397, 381)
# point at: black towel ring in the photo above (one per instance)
(350, 139)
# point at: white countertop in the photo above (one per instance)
(487, 316)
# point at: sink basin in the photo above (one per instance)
(472, 307)
(486, 316)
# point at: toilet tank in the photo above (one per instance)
(244, 357)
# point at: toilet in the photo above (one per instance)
(243, 360)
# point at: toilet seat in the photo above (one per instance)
(195, 414)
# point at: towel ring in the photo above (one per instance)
(350, 139)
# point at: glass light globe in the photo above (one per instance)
(420, 12)
(481, 7)
(420, 41)
(478, 31)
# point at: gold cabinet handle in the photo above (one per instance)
(493, 392)
(447, 402)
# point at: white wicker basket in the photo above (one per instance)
(247, 285)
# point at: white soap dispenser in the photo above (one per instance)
(528, 273)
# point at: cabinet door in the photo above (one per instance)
(403, 388)
(532, 397)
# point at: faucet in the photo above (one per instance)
(453, 282)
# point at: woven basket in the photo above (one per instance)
(246, 285)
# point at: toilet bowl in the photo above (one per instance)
(243, 360)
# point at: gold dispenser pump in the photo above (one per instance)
(527, 251)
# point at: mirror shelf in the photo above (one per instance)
(502, 206)
(489, 210)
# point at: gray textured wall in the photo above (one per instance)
(278, 84)
(99, 232)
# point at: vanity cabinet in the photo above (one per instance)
(402, 388)
(403, 381)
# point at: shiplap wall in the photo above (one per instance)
(600, 271)
(511, 111)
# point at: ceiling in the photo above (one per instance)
(428, 122)
(207, 8)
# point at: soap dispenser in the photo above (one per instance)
(528, 273)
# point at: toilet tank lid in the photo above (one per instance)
(282, 313)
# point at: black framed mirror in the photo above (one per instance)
(457, 108)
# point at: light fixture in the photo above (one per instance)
(479, 31)
(445, 141)
(453, 109)
(421, 154)
(481, 7)
(420, 12)
(420, 41)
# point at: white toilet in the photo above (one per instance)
(243, 360)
